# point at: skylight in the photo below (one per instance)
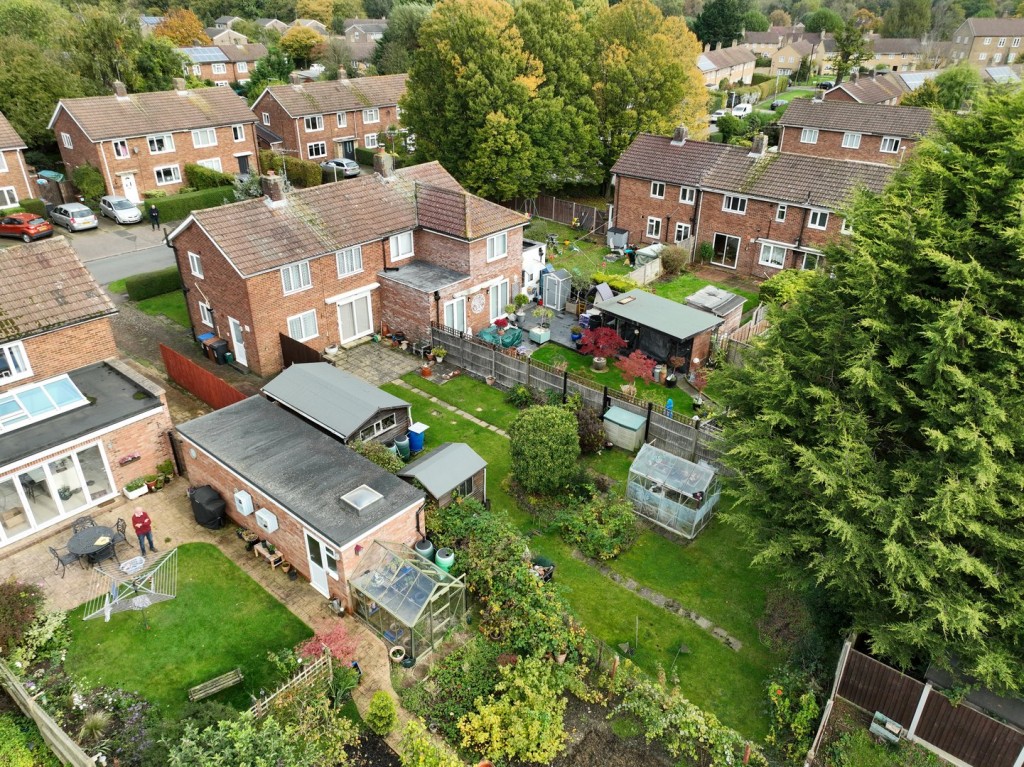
(37, 402)
(361, 497)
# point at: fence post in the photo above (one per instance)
(920, 710)
(647, 426)
(605, 401)
(565, 385)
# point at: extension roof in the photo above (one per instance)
(874, 119)
(46, 287)
(344, 95)
(662, 314)
(9, 138)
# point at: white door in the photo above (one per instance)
(317, 568)
(355, 318)
(131, 191)
(238, 341)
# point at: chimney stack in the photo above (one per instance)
(680, 135)
(273, 189)
(383, 163)
(759, 145)
(707, 47)
(179, 84)
(119, 90)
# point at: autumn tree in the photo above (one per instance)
(907, 18)
(637, 365)
(779, 18)
(182, 27)
(321, 10)
(298, 43)
(32, 81)
(866, 20)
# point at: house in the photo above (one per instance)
(884, 89)
(759, 211)
(14, 181)
(331, 118)
(76, 424)
(223, 64)
(225, 36)
(148, 23)
(272, 25)
(328, 265)
(786, 60)
(361, 30)
(142, 142)
(450, 471)
(766, 43)
(734, 64)
(895, 54)
(987, 42)
(341, 404)
(317, 26)
(846, 130)
(226, 22)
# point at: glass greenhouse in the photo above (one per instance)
(407, 600)
(672, 492)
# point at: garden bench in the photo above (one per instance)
(215, 685)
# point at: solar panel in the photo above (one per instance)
(205, 55)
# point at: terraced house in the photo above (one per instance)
(14, 183)
(328, 265)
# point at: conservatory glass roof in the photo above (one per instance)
(672, 471)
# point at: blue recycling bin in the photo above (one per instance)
(416, 434)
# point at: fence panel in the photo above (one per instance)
(566, 212)
(59, 741)
(647, 273)
(293, 351)
(876, 687)
(968, 734)
(319, 670)
(214, 391)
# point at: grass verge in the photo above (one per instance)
(170, 305)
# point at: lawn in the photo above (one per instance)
(591, 255)
(170, 305)
(220, 619)
(686, 284)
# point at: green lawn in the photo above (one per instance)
(686, 284)
(591, 255)
(220, 619)
(117, 286)
(467, 393)
(170, 305)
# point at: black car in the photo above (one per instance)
(825, 85)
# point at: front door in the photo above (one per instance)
(348, 149)
(317, 568)
(131, 191)
(243, 165)
(238, 341)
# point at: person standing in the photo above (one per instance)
(143, 528)
(154, 217)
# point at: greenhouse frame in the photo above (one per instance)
(406, 599)
(672, 492)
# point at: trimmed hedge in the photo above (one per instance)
(32, 205)
(150, 284)
(201, 177)
(178, 206)
(301, 173)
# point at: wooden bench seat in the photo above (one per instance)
(215, 685)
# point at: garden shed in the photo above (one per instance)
(449, 471)
(672, 492)
(406, 599)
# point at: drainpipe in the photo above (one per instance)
(695, 222)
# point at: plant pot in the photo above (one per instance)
(599, 365)
(490, 380)
(151, 486)
(397, 654)
(560, 657)
(293, 574)
(575, 337)
(332, 349)
(426, 371)
(131, 495)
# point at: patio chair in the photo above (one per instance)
(107, 552)
(81, 523)
(120, 536)
(64, 558)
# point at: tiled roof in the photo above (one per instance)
(107, 117)
(316, 26)
(370, 26)
(995, 27)
(9, 138)
(45, 286)
(872, 90)
(877, 119)
(362, 50)
(886, 45)
(339, 95)
(763, 38)
(802, 47)
(725, 58)
(653, 157)
(245, 52)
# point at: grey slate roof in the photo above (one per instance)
(338, 95)
(244, 51)
(886, 45)
(661, 314)
(337, 400)
(9, 138)
(423, 276)
(875, 119)
(304, 470)
(369, 26)
(995, 27)
(445, 467)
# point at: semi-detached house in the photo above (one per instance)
(223, 64)
(14, 183)
(141, 142)
(328, 265)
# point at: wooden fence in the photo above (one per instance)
(566, 212)
(665, 428)
(293, 351)
(59, 741)
(320, 670)
(647, 273)
(214, 391)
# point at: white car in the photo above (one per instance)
(742, 110)
(718, 113)
(120, 209)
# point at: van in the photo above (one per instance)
(742, 110)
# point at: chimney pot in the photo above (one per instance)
(383, 163)
(718, 45)
(179, 84)
(759, 145)
(273, 186)
(120, 90)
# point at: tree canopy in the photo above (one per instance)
(948, 90)
(182, 27)
(721, 21)
(907, 18)
(876, 430)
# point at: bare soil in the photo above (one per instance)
(374, 751)
(592, 742)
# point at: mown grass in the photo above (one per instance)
(686, 284)
(591, 256)
(170, 305)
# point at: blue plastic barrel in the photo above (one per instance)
(416, 434)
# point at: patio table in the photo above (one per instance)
(90, 540)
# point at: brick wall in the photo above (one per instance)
(230, 73)
(13, 172)
(406, 310)
(66, 349)
(82, 150)
(830, 144)
(838, 95)
(633, 204)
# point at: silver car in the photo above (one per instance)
(120, 209)
(74, 217)
(341, 167)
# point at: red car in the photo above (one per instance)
(27, 226)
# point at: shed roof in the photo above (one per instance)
(715, 300)
(445, 467)
(661, 314)
(876, 119)
(338, 401)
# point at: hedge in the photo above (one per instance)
(301, 173)
(151, 284)
(201, 177)
(177, 207)
(32, 205)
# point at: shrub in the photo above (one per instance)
(177, 207)
(150, 284)
(302, 173)
(381, 716)
(155, 194)
(337, 641)
(673, 259)
(601, 342)
(705, 252)
(603, 528)
(545, 448)
(32, 205)
(201, 177)
(793, 713)
(380, 455)
(20, 604)
(781, 288)
(519, 396)
(416, 749)
(616, 282)
(589, 426)
(21, 745)
(88, 181)
(268, 161)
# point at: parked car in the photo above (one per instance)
(74, 217)
(718, 113)
(27, 226)
(120, 209)
(742, 110)
(778, 103)
(342, 166)
(824, 85)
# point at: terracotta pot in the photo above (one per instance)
(426, 371)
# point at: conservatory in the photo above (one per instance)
(406, 599)
(672, 492)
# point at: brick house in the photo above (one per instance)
(14, 182)
(331, 118)
(330, 264)
(786, 60)
(896, 54)
(850, 131)
(76, 424)
(735, 64)
(223, 64)
(225, 36)
(987, 42)
(142, 142)
(273, 25)
(760, 211)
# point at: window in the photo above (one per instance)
(455, 314)
(204, 137)
(197, 70)
(465, 489)
(121, 150)
(13, 363)
(3, 163)
(238, 132)
(212, 164)
(168, 174)
(890, 144)
(316, 150)
(350, 260)
(499, 299)
(381, 426)
(401, 246)
(727, 250)
(302, 327)
(266, 118)
(809, 136)
(195, 264)
(161, 143)
(846, 228)
(982, 56)
(39, 401)
(222, 83)
(810, 261)
(355, 318)
(733, 204)
(987, 41)
(206, 314)
(1011, 57)
(687, 195)
(314, 122)
(295, 277)
(658, 190)
(780, 213)
(242, 67)
(1015, 42)
(497, 246)
(682, 232)
(996, 58)
(1001, 43)
(220, 68)
(818, 219)
(370, 141)
(851, 141)
(331, 560)
(65, 139)
(654, 227)
(371, 115)
(772, 255)
(342, 119)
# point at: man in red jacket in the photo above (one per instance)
(143, 528)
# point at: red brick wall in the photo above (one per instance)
(406, 310)
(231, 72)
(838, 95)
(66, 349)
(830, 144)
(633, 204)
(82, 151)
(16, 173)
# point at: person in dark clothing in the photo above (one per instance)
(154, 217)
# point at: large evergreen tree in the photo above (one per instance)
(877, 430)
(721, 21)
(907, 18)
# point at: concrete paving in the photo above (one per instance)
(376, 363)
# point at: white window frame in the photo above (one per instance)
(166, 138)
(982, 56)
(732, 203)
(296, 278)
(238, 132)
(398, 242)
(197, 70)
(65, 139)
(3, 162)
(242, 67)
(206, 314)
(816, 259)
(11, 421)
(369, 316)
(780, 212)
(658, 190)
(313, 123)
(498, 296)
(377, 428)
(1015, 42)
(213, 164)
(687, 195)
(322, 147)
(14, 355)
(987, 41)
(1001, 43)
(301, 331)
(727, 238)
(349, 260)
(219, 68)
(175, 174)
(266, 118)
(342, 119)
(846, 228)
(222, 83)
(772, 255)
(818, 219)
(653, 228)
(370, 141)
(195, 264)
(851, 140)
(121, 150)
(456, 308)
(893, 142)
(497, 247)
(682, 232)
(809, 136)
(8, 197)
(996, 58)
(371, 115)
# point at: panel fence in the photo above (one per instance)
(566, 212)
(214, 391)
(293, 351)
